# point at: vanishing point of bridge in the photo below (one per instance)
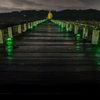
(49, 52)
(52, 42)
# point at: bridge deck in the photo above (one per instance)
(50, 56)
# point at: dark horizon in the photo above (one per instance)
(49, 10)
(32, 15)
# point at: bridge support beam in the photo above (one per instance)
(95, 36)
(1, 37)
(76, 29)
(10, 32)
(19, 29)
(85, 33)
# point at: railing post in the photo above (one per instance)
(66, 25)
(19, 29)
(95, 36)
(1, 37)
(28, 25)
(25, 28)
(70, 27)
(10, 32)
(76, 29)
(85, 32)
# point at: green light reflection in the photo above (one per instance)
(67, 34)
(77, 46)
(9, 42)
(35, 25)
(96, 51)
(62, 29)
(78, 38)
(9, 49)
(67, 29)
(9, 58)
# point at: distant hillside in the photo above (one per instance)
(27, 15)
(68, 14)
(89, 14)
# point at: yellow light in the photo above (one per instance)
(50, 15)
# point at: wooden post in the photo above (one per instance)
(19, 29)
(66, 25)
(1, 37)
(70, 27)
(28, 25)
(85, 32)
(25, 28)
(95, 36)
(10, 32)
(76, 29)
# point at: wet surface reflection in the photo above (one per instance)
(51, 48)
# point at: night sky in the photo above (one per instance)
(17, 5)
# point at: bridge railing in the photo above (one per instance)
(10, 31)
(17, 29)
(88, 32)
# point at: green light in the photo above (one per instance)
(9, 39)
(78, 35)
(31, 27)
(9, 43)
(58, 24)
(62, 26)
(67, 29)
(35, 25)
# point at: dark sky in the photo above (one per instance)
(17, 5)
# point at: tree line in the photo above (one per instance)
(88, 14)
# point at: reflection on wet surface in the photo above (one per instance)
(51, 48)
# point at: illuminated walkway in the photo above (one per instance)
(50, 48)
(50, 59)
